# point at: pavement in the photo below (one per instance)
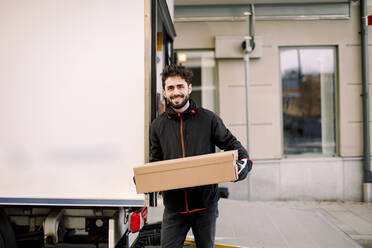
(289, 224)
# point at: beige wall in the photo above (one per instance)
(265, 85)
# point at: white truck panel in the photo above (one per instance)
(71, 98)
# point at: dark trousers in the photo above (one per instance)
(175, 227)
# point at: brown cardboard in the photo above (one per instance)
(186, 172)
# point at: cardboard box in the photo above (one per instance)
(186, 172)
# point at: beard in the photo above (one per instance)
(181, 104)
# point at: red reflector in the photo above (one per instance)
(138, 219)
(135, 222)
(144, 214)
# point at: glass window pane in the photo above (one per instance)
(202, 64)
(308, 88)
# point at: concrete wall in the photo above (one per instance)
(275, 177)
(302, 179)
(265, 87)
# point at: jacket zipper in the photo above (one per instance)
(183, 155)
(181, 130)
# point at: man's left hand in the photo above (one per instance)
(244, 167)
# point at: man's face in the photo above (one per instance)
(177, 92)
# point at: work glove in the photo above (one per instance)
(244, 167)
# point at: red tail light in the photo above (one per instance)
(138, 219)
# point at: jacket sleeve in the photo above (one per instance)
(156, 153)
(225, 140)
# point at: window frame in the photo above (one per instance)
(336, 100)
(216, 85)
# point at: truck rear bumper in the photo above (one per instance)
(72, 202)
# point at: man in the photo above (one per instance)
(183, 130)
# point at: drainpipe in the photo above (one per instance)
(367, 174)
(248, 46)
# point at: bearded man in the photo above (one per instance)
(183, 130)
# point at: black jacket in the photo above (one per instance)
(202, 130)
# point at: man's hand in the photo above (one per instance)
(244, 167)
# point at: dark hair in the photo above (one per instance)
(176, 70)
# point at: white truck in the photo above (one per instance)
(78, 90)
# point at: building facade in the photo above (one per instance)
(304, 94)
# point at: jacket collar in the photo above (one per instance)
(191, 110)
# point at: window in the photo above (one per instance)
(203, 66)
(308, 88)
